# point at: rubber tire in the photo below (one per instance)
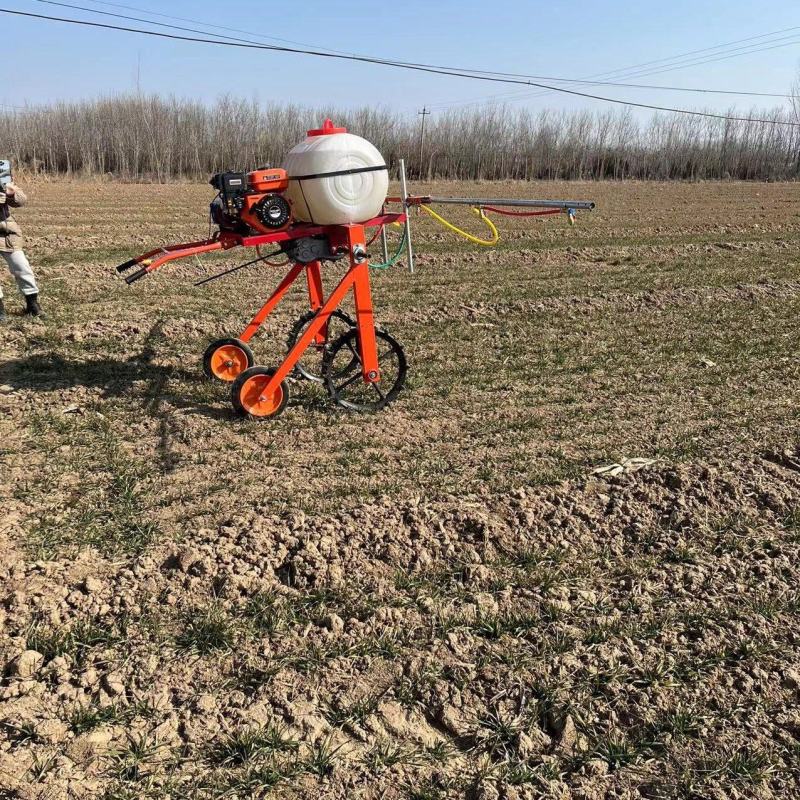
(214, 346)
(238, 385)
(300, 372)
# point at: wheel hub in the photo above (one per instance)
(225, 359)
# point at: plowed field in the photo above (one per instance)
(446, 599)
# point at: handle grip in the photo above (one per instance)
(127, 265)
(136, 276)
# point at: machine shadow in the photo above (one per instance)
(133, 379)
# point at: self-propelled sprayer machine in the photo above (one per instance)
(317, 209)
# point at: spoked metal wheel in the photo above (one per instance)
(309, 366)
(250, 396)
(226, 359)
(344, 379)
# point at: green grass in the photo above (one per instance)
(498, 733)
(108, 512)
(131, 762)
(355, 713)
(743, 767)
(251, 745)
(266, 613)
(617, 752)
(321, 758)
(207, 630)
(254, 781)
(20, 733)
(42, 766)
(74, 640)
(82, 719)
(387, 754)
(679, 724)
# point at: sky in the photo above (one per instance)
(48, 61)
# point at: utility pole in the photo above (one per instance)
(424, 113)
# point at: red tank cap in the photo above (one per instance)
(326, 129)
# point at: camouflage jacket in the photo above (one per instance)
(10, 233)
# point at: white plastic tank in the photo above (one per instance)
(335, 178)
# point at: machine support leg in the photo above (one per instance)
(315, 291)
(273, 301)
(364, 314)
(316, 296)
(311, 332)
(367, 343)
(357, 277)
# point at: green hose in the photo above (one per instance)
(394, 259)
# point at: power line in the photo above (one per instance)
(652, 87)
(697, 52)
(384, 62)
(758, 49)
(711, 58)
(197, 22)
(318, 49)
(153, 22)
(666, 88)
(635, 70)
(571, 81)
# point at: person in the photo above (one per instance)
(11, 196)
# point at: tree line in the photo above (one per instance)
(158, 138)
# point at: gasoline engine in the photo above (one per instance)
(251, 201)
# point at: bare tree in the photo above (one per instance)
(160, 138)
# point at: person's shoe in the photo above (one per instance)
(3, 317)
(32, 306)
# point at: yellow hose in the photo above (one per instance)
(468, 236)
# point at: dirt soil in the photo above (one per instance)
(563, 564)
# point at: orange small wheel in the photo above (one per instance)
(226, 359)
(250, 398)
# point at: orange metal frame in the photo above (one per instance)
(357, 279)
(350, 239)
(316, 298)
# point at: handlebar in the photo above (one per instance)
(127, 265)
(129, 279)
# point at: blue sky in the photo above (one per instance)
(578, 39)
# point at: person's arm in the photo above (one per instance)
(15, 196)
